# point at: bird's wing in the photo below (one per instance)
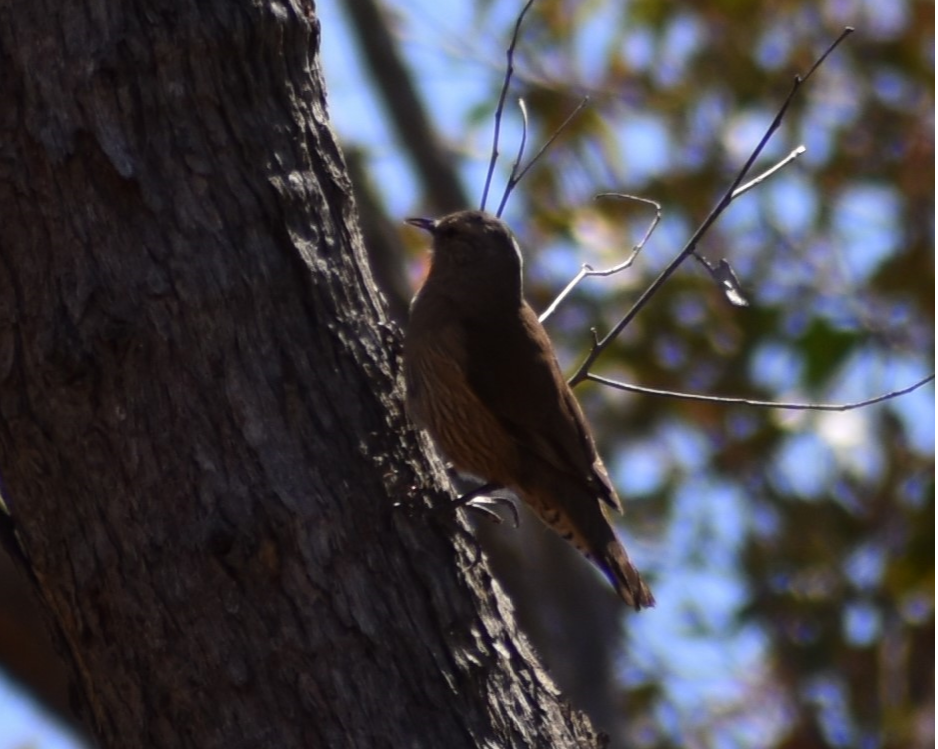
(513, 371)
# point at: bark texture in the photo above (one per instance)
(201, 439)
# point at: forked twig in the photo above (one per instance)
(601, 345)
(509, 71)
(516, 176)
(513, 178)
(587, 270)
(722, 273)
(757, 403)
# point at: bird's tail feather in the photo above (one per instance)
(578, 516)
(615, 563)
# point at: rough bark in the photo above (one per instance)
(201, 440)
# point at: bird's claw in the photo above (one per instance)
(482, 500)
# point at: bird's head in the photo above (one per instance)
(475, 245)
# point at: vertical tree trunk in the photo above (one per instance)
(201, 440)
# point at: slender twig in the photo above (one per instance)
(720, 273)
(587, 270)
(516, 175)
(727, 198)
(513, 176)
(757, 403)
(509, 70)
(647, 201)
(769, 172)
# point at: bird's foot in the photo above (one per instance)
(482, 500)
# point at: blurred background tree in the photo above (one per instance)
(791, 552)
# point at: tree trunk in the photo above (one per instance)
(201, 435)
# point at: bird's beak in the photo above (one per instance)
(427, 224)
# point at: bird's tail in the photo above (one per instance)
(615, 563)
(578, 516)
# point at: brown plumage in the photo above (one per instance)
(482, 378)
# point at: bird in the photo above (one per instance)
(482, 378)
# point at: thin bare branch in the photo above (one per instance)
(848, 30)
(587, 270)
(524, 138)
(513, 178)
(722, 273)
(556, 134)
(647, 201)
(516, 176)
(769, 172)
(757, 403)
(594, 353)
(509, 71)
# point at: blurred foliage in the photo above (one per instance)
(793, 552)
(836, 253)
